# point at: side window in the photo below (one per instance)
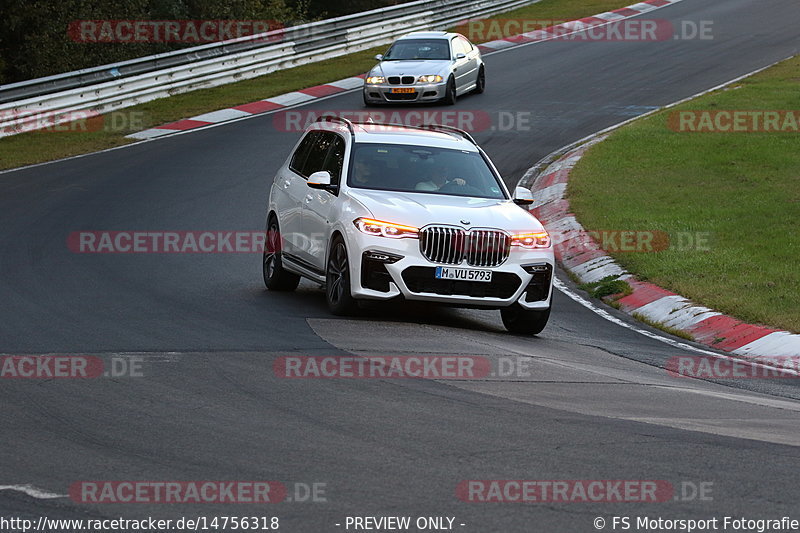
(318, 153)
(301, 154)
(466, 46)
(455, 47)
(335, 159)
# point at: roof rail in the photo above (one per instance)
(336, 118)
(430, 127)
(448, 129)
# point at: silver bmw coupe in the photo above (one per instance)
(426, 67)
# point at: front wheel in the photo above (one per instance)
(517, 319)
(480, 82)
(450, 92)
(337, 281)
(276, 278)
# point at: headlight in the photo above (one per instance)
(430, 79)
(531, 240)
(385, 229)
(372, 80)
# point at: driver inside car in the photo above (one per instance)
(436, 181)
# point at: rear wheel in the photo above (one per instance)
(450, 91)
(275, 277)
(337, 281)
(517, 319)
(480, 82)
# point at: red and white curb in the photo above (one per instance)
(254, 108)
(590, 264)
(320, 91)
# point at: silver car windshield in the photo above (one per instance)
(406, 49)
(422, 169)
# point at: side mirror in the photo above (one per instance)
(320, 180)
(523, 196)
(379, 57)
(460, 56)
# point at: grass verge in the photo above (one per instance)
(40, 146)
(608, 286)
(729, 201)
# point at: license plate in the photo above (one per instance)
(403, 90)
(463, 274)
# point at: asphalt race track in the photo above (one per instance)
(598, 404)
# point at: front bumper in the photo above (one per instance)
(400, 269)
(423, 92)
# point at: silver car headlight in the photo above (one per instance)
(430, 78)
(374, 80)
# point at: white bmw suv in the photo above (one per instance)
(376, 211)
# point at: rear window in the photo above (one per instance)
(422, 169)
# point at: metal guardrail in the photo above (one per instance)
(44, 102)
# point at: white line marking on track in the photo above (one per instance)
(33, 492)
(605, 314)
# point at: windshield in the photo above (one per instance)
(418, 49)
(422, 169)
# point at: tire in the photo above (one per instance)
(450, 96)
(480, 82)
(337, 281)
(275, 277)
(516, 319)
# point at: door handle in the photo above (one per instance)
(286, 184)
(309, 198)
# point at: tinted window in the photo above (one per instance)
(418, 49)
(318, 153)
(335, 158)
(422, 169)
(301, 154)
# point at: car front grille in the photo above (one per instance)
(423, 280)
(452, 246)
(397, 80)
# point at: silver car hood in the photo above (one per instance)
(421, 209)
(416, 67)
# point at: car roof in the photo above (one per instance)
(364, 132)
(427, 35)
